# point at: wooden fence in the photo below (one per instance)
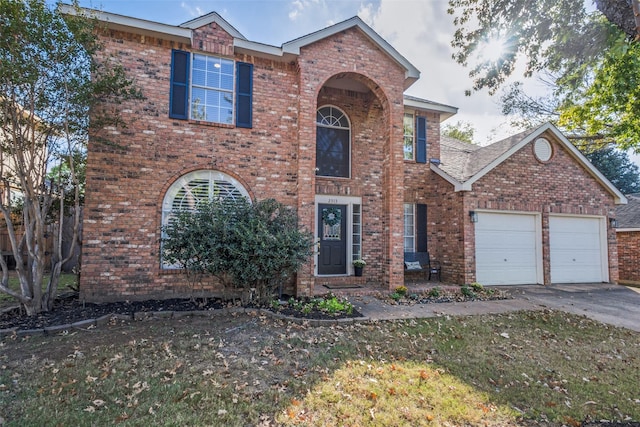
(7, 251)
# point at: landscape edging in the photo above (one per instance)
(151, 315)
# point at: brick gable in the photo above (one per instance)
(523, 184)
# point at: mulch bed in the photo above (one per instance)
(69, 309)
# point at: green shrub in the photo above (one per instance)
(402, 290)
(395, 296)
(434, 292)
(254, 248)
(334, 305)
(467, 291)
(329, 303)
(477, 287)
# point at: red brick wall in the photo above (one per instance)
(629, 255)
(445, 237)
(367, 131)
(521, 183)
(377, 155)
(127, 180)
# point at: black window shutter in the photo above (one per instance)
(421, 228)
(179, 93)
(244, 94)
(421, 140)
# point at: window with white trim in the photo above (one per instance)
(409, 137)
(210, 89)
(409, 227)
(333, 143)
(198, 187)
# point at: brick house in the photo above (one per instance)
(628, 237)
(321, 124)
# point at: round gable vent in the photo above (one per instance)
(542, 149)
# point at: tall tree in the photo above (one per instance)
(591, 60)
(617, 167)
(462, 131)
(48, 83)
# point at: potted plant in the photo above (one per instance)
(358, 265)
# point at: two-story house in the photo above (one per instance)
(322, 124)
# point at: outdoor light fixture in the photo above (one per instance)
(613, 223)
(474, 216)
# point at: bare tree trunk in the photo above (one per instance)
(636, 15)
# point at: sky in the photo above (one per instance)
(420, 30)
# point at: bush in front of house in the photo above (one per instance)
(254, 248)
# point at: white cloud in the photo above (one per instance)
(297, 7)
(303, 7)
(193, 11)
(422, 32)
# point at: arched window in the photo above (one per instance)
(198, 187)
(333, 143)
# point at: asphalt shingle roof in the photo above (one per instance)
(628, 215)
(462, 160)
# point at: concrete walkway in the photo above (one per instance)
(612, 304)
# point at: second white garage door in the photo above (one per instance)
(578, 249)
(508, 249)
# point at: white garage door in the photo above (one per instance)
(577, 250)
(508, 249)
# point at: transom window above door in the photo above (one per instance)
(333, 143)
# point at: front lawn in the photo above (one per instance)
(67, 280)
(494, 370)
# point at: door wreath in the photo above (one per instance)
(331, 216)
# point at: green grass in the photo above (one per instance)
(493, 370)
(67, 280)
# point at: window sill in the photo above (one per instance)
(331, 178)
(211, 124)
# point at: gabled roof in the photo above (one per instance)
(411, 72)
(213, 17)
(445, 111)
(628, 215)
(463, 166)
(462, 160)
(287, 51)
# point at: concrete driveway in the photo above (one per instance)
(613, 304)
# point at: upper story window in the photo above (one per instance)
(210, 89)
(415, 138)
(333, 143)
(408, 136)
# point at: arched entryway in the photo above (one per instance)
(353, 164)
